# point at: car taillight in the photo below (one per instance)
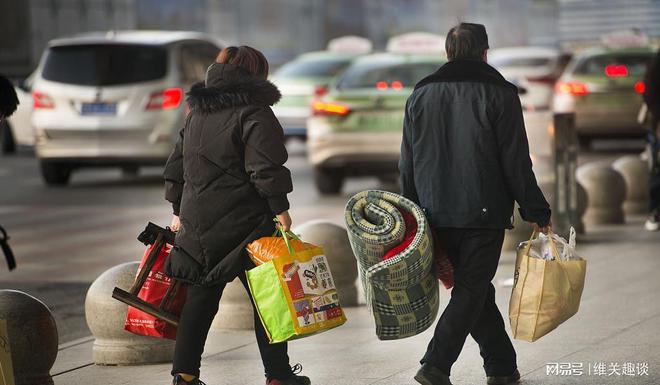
(320, 91)
(616, 70)
(322, 108)
(166, 99)
(571, 88)
(640, 87)
(397, 85)
(382, 86)
(42, 100)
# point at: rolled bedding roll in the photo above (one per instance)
(402, 290)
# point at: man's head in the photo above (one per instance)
(467, 41)
(8, 98)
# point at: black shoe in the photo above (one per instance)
(504, 380)
(178, 380)
(430, 375)
(295, 379)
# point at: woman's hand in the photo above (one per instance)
(285, 220)
(176, 223)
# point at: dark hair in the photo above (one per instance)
(8, 98)
(245, 57)
(466, 41)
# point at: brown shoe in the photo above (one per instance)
(504, 380)
(430, 375)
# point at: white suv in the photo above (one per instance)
(114, 99)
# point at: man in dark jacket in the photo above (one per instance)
(464, 160)
(652, 100)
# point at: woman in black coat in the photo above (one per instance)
(652, 100)
(226, 181)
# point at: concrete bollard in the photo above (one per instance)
(235, 311)
(548, 188)
(520, 233)
(105, 318)
(334, 240)
(606, 191)
(635, 172)
(31, 337)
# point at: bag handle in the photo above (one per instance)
(285, 235)
(553, 245)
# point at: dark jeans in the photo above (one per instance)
(474, 254)
(654, 180)
(198, 313)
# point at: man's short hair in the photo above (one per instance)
(466, 41)
(8, 98)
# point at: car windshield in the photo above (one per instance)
(635, 64)
(508, 62)
(369, 75)
(317, 67)
(105, 64)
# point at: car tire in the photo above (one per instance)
(54, 173)
(328, 181)
(130, 171)
(7, 142)
(584, 142)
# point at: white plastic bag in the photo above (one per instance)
(542, 247)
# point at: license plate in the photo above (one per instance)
(99, 109)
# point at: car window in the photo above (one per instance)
(317, 67)
(635, 64)
(368, 75)
(105, 64)
(195, 59)
(505, 62)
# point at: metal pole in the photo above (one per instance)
(565, 163)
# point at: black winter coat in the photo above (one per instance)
(652, 82)
(225, 177)
(464, 153)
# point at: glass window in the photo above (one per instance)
(195, 59)
(635, 64)
(325, 67)
(105, 64)
(368, 75)
(503, 62)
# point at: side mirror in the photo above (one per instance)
(522, 90)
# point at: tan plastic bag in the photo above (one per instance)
(545, 292)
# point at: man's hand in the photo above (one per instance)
(540, 229)
(176, 223)
(285, 220)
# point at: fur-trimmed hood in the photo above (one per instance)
(226, 86)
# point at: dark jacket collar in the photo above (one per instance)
(227, 85)
(466, 71)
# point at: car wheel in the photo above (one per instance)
(7, 142)
(584, 142)
(55, 174)
(328, 180)
(130, 171)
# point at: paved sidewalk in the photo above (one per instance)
(618, 324)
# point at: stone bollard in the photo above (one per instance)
(520, 233)
(235, 312)
(334, 240)
(606, 191)
(31, 337)
(635, 172)
(548, 188)
(105, 318)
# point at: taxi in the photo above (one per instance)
(603, 86)
(308, 75)
(356, 126)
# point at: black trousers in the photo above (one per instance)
(474, 254)
(654, 177)
(196, 318)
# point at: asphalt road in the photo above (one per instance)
(65, 237)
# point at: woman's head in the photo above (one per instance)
(245, 57)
